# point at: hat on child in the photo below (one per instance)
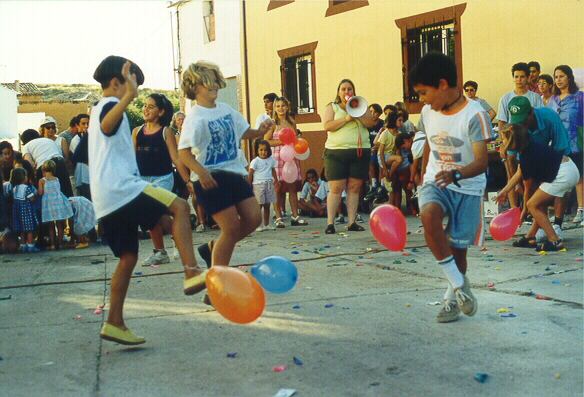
(48, 120)
(111, 67)
(519, 108)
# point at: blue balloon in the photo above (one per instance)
(275, 274)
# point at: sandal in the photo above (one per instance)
(550, 246)
(205, 250)
(296, 221)
(195, 284)
(525, 242)
(330, 229)
(354, 227)
(279, 223)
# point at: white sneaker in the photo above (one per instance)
(540, 236)
(359, 219)
(269, 227)
(260, 229)
(579, 216)
(339, 220)
(200, 228)
(157, 258)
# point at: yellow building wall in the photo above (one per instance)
(365, 44)
(63, 112)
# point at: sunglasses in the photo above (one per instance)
(50, 127)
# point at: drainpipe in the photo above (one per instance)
(246, 72)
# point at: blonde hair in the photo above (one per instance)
(201, 73)
(275, 116)
(515, 137)
(49, 166)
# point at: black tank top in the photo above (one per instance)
(152, 154)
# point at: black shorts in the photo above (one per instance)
(342, 164)
(232, 189)
(120, 228)
(577, 159)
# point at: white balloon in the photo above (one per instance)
(303, 156)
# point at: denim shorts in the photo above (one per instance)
(464, 212)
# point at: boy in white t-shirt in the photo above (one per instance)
(214, 131)
(122, 200)
(454, 166)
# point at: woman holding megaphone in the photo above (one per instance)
(347, 151)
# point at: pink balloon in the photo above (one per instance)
(304, 155)
(290, 172)
(287, 153)
(504, 225)
(389, 227)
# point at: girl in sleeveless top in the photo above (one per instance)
(283, 119)
(156, 151)
(56, 209)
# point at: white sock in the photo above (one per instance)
(449, 294)
(451, 271)
(374, 182)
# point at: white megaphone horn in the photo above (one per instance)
(356, 106)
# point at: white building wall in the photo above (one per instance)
(225, 51)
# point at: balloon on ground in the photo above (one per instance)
(276, 274)
(504, 225)
(388, 226)
(236, 295)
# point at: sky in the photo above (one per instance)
(63, 41)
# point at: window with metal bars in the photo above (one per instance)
(437, 37)
(298, 84)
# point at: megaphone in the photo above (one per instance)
(356, 106)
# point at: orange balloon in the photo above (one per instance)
(301, 146)
(236, 295)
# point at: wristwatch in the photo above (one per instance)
(456, 176)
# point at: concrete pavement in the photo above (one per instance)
(379, 337)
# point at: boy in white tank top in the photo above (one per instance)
(453, 168)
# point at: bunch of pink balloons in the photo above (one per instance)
(293, 148)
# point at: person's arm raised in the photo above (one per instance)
(112, 118)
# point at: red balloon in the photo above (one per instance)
(236, 295)
(287, 136)
(301, 146)
(388, 226)
(504, 225)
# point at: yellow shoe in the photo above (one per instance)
(195, 284)
(115, 334)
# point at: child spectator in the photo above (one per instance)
(55, 206)
(403, 180)
(262, 176)
(545, 83)
(24, 219)
(390, 159)
(375, 110)
(407, 126)
(308, 201)
(282, 120)
(213, 130)
(83, 220)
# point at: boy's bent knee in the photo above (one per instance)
(179, 206)
(431, 212)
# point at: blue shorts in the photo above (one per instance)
(374, 159)
(464, 212)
